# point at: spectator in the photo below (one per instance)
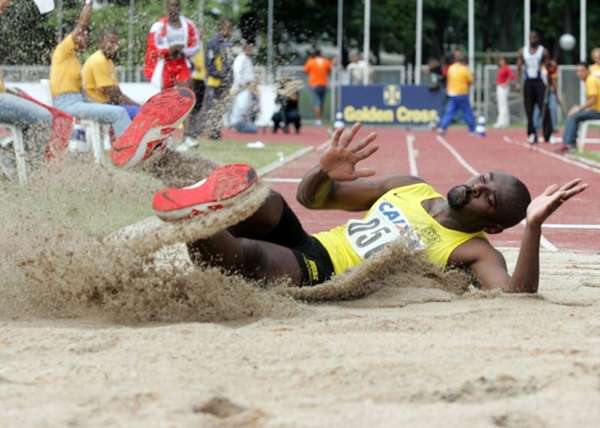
(65, 79)
(318, 69)
(504, 77)
(550, 78)
(435, 74)
(356, 69)
(459, 79)
(533, 57)
(288, 96)
(199, 88)
(244, 89)
(171, 43)
(218, 63)
(595, 67)
(590, 110)
(99, 75)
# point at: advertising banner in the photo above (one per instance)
(406, 105)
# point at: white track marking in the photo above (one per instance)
(412, 155)
(281, 180)
(552, 155)
(573, 226)
(457, 156)
(545, 243)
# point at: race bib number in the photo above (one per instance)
(385, 224)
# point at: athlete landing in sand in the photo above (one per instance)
(272, 243)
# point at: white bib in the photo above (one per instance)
(383, 225)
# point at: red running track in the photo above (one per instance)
(450, 161)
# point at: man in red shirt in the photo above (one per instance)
(318, 69)
(503, 79)
(171, 43)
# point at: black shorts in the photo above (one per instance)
(315, 263)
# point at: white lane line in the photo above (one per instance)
(545, 243)
(285, 160)
(457, 156)
(552, 155)
(573, 226)
(412, 155)
(281, 180)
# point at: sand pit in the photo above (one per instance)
(111, 336)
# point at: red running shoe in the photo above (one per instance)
(219, 190)
(157, 119)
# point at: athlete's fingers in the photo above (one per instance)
(550, 190)
(365, 153)
(364, 172)
(349, 136)
(335, 140)
(365, 142)
(570, 184)
(568, 194)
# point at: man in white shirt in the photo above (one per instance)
(244, 89)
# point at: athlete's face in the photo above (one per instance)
(173, 9)
(534, 39)
(596, 55)
(481, 197)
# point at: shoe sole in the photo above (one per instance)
(225, 198)
(148, 126)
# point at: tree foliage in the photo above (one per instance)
(28, 38)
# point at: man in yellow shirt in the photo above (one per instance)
(459, 80)
(65, 79)
(99, 75)
(590, 110)
(595, 67)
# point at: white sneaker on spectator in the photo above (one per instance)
(555, 140)
(188, 143)
(532, 139)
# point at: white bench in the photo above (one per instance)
(19, 148)
(97, 135)
(583, 139)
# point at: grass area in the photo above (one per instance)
(228, 151)
(589, 155)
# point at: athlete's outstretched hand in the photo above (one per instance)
(340, 159)
(551, 199)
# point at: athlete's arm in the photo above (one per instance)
(336, 183)
(4, 5)
(489, 265)
(83, 23)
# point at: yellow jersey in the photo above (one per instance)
(592, 87)
(398, 214)
(459, 78)
(199, 66)
(65, 68)
(595, 70)
(2, 87)
(98, 72)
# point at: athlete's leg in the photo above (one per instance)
(467, 112)
(529, 101)
(449, 113)
(251, 258)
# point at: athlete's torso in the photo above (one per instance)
(398, 214)
(533, 62)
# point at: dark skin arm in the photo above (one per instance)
(4, 4)
(336, 183)
(116, 96)
(83, 24)
(488, 264)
